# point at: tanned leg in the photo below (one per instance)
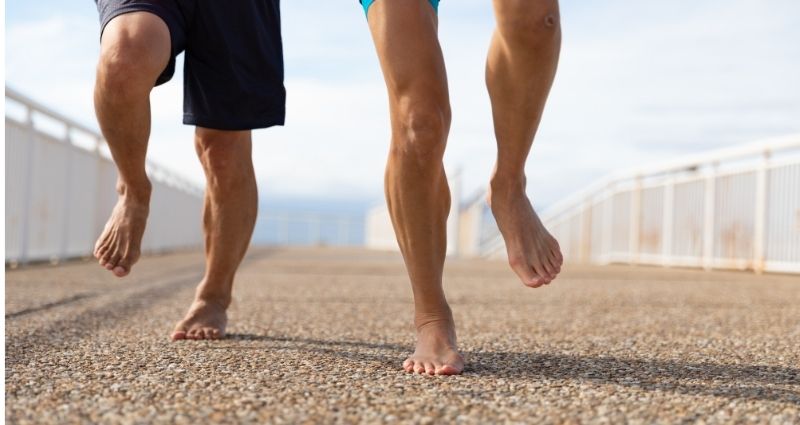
(135, 49)
(519, 72)
(229, 216)
(405, 35)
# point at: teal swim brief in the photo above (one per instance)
(368, 3)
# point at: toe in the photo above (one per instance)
(535, 281)
(419, 368)
(98, 252)
(215, 334)
(540, 267)
(557, 262)
(110, 260)
(524, 270)
(547, 264)
(556, 253)
(120, 271)
(448, 370)
(208, 333)
(544, 276)
(430, 368)
(554, 265)
(408, 365)
(178, 334)
(102, 257)
(549, 270)
(123, 267)
(100, 246)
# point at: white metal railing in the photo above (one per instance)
(736, 208)
(60, 192)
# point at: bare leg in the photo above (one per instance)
(519, 72)
(135, 49)
(229, 215)
(416, 187)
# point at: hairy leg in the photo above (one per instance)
(520, 69)
(229, 216)
(416, 187)
(135, 49)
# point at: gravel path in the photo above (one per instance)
(318, 335)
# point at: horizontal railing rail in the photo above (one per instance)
(33, 108)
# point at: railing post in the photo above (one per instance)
(585, 253)
(759, 227)
(608, 223)
(635, 221)
(709, 207)
(66, 204)
(27, 196)
(668, 217)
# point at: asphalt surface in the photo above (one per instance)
(318, 336)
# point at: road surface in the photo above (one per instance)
(318, 336)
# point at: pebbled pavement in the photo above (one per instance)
(318, 335)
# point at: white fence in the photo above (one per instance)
(734, 209)
(60, 189)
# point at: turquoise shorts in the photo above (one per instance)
(368, 3)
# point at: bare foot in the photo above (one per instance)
(533, 253)
(119, 246)
(436, 352)
(206, 319)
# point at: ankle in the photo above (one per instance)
(136, 193)
(438, 315)
(216, 297)
(506, 183)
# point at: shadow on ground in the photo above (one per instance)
(732, 381)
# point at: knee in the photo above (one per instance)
(130, 59)
(529, 22)
(421, 132)
(225, 156)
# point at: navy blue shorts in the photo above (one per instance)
(233, 71)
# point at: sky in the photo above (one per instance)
(638, 82)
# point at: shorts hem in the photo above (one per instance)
(263, 122)
(155, 10)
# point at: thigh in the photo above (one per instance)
(153, 30)
(234, 66)
(406, 40)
